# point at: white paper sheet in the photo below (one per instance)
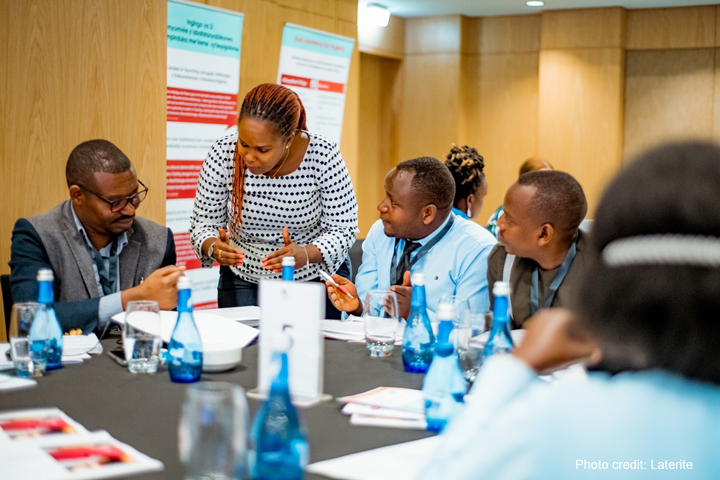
(8, 383)
(6, 364)
(248, 315)
(368, 411)
(395, 398)
(399, 462)
(74, 344)
(403, 423)
(30, 433)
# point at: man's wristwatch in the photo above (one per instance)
(211, 249)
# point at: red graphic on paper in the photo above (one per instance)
(205, 305)
(196, 106)
(294, 81)
(324, 86)
(182, 178)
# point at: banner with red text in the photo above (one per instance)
(316, 64)
(203, 79)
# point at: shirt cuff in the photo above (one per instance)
(109, 305)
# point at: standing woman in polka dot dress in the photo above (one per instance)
(269, 191)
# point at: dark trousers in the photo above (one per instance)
(233, 291)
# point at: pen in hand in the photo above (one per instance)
(330, 279)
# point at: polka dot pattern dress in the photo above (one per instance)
(316, 202)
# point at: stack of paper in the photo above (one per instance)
(46, 444)
(353, 330)
(390, 407)
(8, 383)
(399, 462)
(248, 315)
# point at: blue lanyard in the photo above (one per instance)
(535, 289)
(423, 250)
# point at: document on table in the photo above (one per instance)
(394, 398)
(73, 457)
(8, 382)
(399, 462)
(248, 315)
(352, 330)
(6, 364)
(34, 423)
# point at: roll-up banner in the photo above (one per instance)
(203, 80)
(316, 64)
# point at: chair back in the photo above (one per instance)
(356, 257)
(7, 299)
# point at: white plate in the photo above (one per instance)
(223, 340)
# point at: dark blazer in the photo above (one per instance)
(53, 241)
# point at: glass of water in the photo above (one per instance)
(380, 318)
(470, 338)
(213, 431)
(141, 336)
(28, 346)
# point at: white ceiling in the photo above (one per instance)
(481, 8)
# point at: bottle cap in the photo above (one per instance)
(288, 261)
(417, 279)
(501, 289)
(445, 311)
(184, 283)
(45, 275)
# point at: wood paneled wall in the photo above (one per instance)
(72, 70)
(586, 89)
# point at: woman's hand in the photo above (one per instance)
(341, 301)
(554, 340)
(224, 253)
(274, 260)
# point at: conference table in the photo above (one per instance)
(143, 410)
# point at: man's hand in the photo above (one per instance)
(341, 301)
(404, 295)
(274, 260)
(160, 286)
(554, 340)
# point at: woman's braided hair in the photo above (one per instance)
(466, 166)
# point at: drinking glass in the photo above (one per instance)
(470, 341)
(380, 319)
(141, 336)
(462, 310)
(29, 350)
(213, 431)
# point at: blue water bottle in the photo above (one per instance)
(46, 321)
(418, 341)
(500, 340)
(279, 449)
(185, 352)
(288, 272)
(444, 387)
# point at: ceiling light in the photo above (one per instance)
(534, 3)
(373, 14)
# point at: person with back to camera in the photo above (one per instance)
(466, 166)
(272, 190)
(532, 164)
(648, 309)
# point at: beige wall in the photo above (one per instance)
(586, 88)
(72, 70)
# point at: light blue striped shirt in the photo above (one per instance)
(514, 426)
(109, 304)
(456, 265)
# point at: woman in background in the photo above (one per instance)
(648, 309)
(532, 164)
(272, 190)
(466, 166)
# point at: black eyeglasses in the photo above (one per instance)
(118, 205)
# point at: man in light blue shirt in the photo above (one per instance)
(417, 232)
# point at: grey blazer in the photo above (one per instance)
(53, 241)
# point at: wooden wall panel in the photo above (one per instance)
(73, 70)
(510, 34)
(505, 120)
(667, 28)
(580, 114)
(433, 35)
(385, 42)
(319, 7)
(430, 107)
(349, 142)
(716, 98)
(668, 95)
(585, 28)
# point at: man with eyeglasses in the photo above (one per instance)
(102, 255)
